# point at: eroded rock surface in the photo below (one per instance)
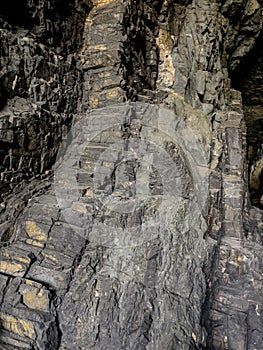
(143, 234)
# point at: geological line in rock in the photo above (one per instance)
(131, 174)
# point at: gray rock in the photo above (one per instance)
(143, 233)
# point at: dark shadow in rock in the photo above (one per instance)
(248, 78)
(16, 13)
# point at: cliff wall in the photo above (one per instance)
(131, 174)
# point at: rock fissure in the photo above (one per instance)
(150, 235)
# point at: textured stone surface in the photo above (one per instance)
(251, 83)
(127, 263)
(39, 95)
(90, 257)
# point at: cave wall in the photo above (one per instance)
(250, 84)
(40, 88)
(198, 286)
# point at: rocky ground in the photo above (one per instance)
(142, 227)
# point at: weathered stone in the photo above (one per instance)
(98, 256)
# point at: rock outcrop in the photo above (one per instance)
(131, 175)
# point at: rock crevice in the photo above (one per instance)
(142, 227)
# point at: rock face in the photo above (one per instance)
(141, 228)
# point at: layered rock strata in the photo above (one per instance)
(146, 238)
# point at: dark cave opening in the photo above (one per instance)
(16, 13)
(248, 78)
